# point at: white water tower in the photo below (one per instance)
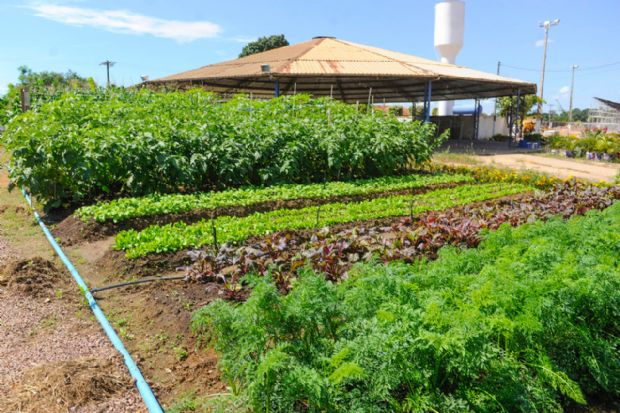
(449, 31)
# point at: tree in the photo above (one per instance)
(526, 104)
(395, 110)
(417, 110)
(263, 44)
(42, 87)
(580, 115)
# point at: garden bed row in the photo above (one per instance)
(123, 209)
(337, 247)
(526, 322)
(226, 229)
(104, 219)
(333, 251)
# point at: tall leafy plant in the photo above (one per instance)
(83, 147)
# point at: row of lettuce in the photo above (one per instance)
(82, 147)
(128, 208)
(527, 322)
(122, 209)
(179, 235)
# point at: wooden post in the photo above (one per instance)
(25, 99)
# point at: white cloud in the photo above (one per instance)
(123, 21)
(541, 42)
(564, 90)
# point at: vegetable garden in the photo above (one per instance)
(526, 322)
(351, 273)
(84, 146)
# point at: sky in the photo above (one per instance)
(162, 37)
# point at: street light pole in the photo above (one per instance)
(546, 25)
(572, 87)
(499, 64)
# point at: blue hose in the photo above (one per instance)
(149, 398)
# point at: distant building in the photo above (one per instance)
(606, 116)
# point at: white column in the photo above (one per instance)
(445, 107)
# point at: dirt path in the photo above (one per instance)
(563, 168)
(44, 335)
(53, 356)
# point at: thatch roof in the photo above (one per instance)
(328, 66)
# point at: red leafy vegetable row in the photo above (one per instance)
(335, 251)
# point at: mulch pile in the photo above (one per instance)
(35, 277)
(66, 385)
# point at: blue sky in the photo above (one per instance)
(160, 37)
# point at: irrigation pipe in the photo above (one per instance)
(145, 280)
(149, 398)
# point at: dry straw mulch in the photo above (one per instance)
(66, 385)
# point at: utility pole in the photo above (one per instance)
(107, 64)
(499, 64)
(546, 25)
(572, 86)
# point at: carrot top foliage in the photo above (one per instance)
(527, 322)
(81, 147)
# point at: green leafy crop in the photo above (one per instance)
(82, 147)
(177, 236)
(527, 322)
(123, 209)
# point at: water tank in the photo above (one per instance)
(449, 33)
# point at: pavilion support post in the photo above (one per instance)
(276, 88)
(517, 115)
(428, 94)
(510, 121)
(476, 120)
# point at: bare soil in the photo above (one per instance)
(559, 167)
(35, 276)
(155, 321)
(53, 356)
(46, 333)
(114, 265)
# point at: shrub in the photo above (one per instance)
(593, 142)
(81, 147)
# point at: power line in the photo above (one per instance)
(601, 66)
(562, 70)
